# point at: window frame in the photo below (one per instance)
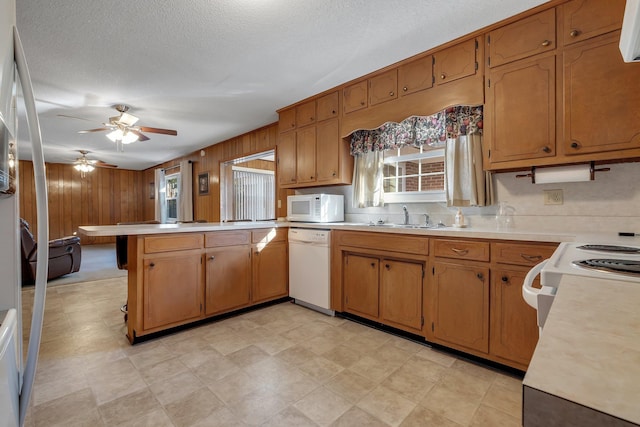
(432, 155)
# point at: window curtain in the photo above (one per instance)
(161, 201)
(466, 184)
(185, 192)
(458, 129)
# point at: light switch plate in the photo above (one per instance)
(553, 197)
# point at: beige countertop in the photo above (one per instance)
(141, 229)
(589, 351)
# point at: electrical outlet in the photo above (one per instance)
(553, 197)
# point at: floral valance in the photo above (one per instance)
(430, 130)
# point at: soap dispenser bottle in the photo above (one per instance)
(459, 219)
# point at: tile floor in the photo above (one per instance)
(279, 366)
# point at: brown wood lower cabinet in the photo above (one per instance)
(361, 290)
(176, 279)
(401, 285)
(172, 289)
(228, 273)
(460, 305)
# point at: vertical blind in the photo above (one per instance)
(253, 194)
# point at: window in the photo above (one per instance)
(172, 183)
(414, 174)
(248, 188)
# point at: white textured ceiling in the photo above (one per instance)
(213, 69)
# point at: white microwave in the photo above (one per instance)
(315, 208)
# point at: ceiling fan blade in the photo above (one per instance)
(156, 130)
(93, 130)
(101, 164)
(140, 135)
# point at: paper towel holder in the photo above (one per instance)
(570, 173)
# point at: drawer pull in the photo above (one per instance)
(575, 144)
(391, 94)
(460, 251)
(574, 33)
(546, 43)
(443, 76)
(405, 89)
(546, 149)
(532, 258)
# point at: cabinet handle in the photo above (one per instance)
(480, 276)
(531, 257)
(333, 111)
(546, 43)
(546, 149)
(256, 253)
(391, 93)
(373, 264)
(333, 174)
(212, 257)
(574, 33)
(442, 76)
(505, 279)
(575, 144)
(405, 89)
(361, 102)
(387, 266)
(151, 264)
(460, 251)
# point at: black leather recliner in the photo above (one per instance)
(64, 255)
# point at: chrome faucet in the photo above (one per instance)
(426, 219)
(406, 215)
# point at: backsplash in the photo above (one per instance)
(610, 203)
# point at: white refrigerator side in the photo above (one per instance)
(10, 289)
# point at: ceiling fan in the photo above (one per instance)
(123, 128)
(85, 165)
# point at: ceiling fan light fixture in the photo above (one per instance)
(124, 137)
(84, 167)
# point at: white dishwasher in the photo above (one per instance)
(310, 268)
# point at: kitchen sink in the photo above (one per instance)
(414, 226)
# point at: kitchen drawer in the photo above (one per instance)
(226, 238)
(266, 235)
(461, 249)
(383, 242)
(173, 242)
(527, 254)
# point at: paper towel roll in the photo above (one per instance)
(572, 173)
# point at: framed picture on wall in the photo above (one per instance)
(203, 183)
(152, 190)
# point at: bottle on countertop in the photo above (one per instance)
(459, 219)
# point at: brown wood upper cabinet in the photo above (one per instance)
(456, 62)
(286, 164)
(527, 37)
(327, 106)
(383, 87)
(415, 76)
(287, 120)
(583, 19)
(602, 98)
(354, 97)
(306, 114)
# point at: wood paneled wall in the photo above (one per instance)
(102, 197)
(207, 207)
(110, 196)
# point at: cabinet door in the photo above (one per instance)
(327, 106)
(287, 158)
(602, 98)
(228, 278)
(172, 289)
(306, 113)
(270, 271)
(306, 155)
(354, 97)
(520, 113)
(461, 305)
(360, 283)
(328, 150)
(287, 120)
(456, 62)
(401, 294)
(416, 75)
(523, 38)
(383, 88)
(514, 329)
(583, 19)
